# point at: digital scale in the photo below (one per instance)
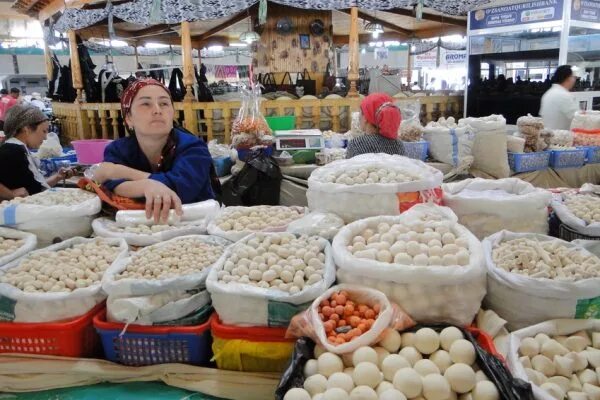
(299, 139)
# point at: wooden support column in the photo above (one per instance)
(75, 66)
(48, 60)
(354, 55)
(136, 55)
(189, 114)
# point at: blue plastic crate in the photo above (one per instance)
(243, 154)
(50, 166)
(222, 166)
(526, 162)
(593, 155)
(149, 345)
(568, 158)
(416, 150)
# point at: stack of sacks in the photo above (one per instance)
(490, 145)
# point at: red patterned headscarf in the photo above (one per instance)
(133, 89)
(379, 110)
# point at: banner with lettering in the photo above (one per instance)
(585, 10)
(517, 14)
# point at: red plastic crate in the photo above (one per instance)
(70, 338)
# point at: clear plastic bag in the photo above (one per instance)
(50, 147)
(309, 323)
(326, 225)
(217, 150)
(586, 122)
(249, 122)
(411, 129)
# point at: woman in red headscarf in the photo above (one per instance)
(166, 165)
(379, 120)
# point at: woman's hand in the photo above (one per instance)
(65, 173)
(159, 200)
(20, 192)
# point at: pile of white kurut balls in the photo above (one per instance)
(585, 207)
(141, 229)
(368, 175)
(78, 266)
(549, 259)
(277, 260)
(257, 218)
(181, 256)
(9, 246)
(420, 243)
(413, 365)
(67, 197)
(565, 367)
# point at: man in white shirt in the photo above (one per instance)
(558, 106)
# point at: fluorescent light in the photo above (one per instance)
(215, 48)
(114, 43)
(375, 34)
(155, 45)
(363, 51)
(238, 44)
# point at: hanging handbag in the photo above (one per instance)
(329, 81)
(268, 83)
(287, 85)
(176, 86)
(303, 80)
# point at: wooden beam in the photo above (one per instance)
(384, 24)
(50, 9)
(429, 17)
(342, 40)
(234, 20)
(160, 28)
(441, 31)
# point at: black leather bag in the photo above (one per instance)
(303, 80)
(286, 84)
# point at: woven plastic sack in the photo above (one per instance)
(492, 122)
(449, 145)
(366, 200)
(234, 236)
(52, 223)
(129, 287)
(545, 299)
(29, 243)
(105, 227)
(572, 221)
(486, 206)
(432, 294)
(241, 304)
(391, 316)
(191, 212)
(19, 306)
(558, 327)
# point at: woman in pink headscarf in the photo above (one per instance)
(166, 165)
(379, 120)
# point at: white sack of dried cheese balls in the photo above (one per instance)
(58, 282)
(15, 244)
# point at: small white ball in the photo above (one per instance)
(441, 359)
(409, 382)
(436, 387)
(426, 367)
(485, 390)
(335, 394)
(391, 340)
(329, 364)
(384, 387)
(310, 368)
(392, 394)
(381, 355)
(392, 364)
(315, 384)
(462, 351)
(448, 336)
(297, 394)
(365, 354)
(340, 380)
(461, 377)
(427, 341)
(363, 393)
(367, 374)
(411, 355)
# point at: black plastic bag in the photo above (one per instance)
(258, 183)
(509, 388)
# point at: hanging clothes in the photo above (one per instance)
(176, 86)
(56, 74)
(66, 92)
(204, 94)
(92, 95)
(111, 86)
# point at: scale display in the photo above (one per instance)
(299, 139)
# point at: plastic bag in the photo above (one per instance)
(158, 308)
(432, 294)
(309, 323)
(50, 147)
(19, 306)
(258, 182)
(530, 129)
(29, 244)
(486, 206)
(584, 139)
(561, 138)
(353, 202)
(249, 121)
(217, 150)
(545, 298)
(586, 122)
(240, 304)
(105, 227)
(234, 236)
(559, 327)
(411, 129)
(326, 225)
(191, 212)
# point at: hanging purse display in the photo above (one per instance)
(304, 80)
(287, 85)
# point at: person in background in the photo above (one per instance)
(36, 100)
(26, 128)
(415, 86)
(558, 106)
(380, 120)
(166, 165)
(6, 102)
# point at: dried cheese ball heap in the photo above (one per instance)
(79, 266)
(586, 207)
(421, 243)
(566, 367)
(369, 175)
(182, 256)
(257, 218)
(142, 229)
(548, 259)
(278, 260)
(9, 246)
(68, 197)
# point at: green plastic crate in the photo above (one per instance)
(282, 123)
